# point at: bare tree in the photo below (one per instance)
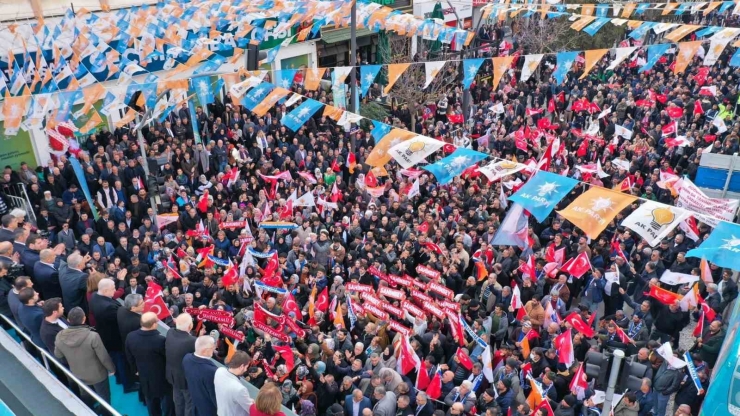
(409, 89)
(536, 35)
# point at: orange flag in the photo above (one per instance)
(587, 9)
(394, 72)
(332, 112)
(686, 52)
(379, 156)
(594, 209)
(713, 5)
(93, 122)
(681, 32)
(628, 9)
(669, 8)
(129, 117)
(535, 396)
(501, 64)
(582, 22)
(706, 271)
(272, 98)
(313, 78)
(13, 111)
(91, 95)
(525, 347)
(592, 57)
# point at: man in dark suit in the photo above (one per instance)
(31, 314)
(423, 406)
(355, 403)
(105, 310)
(200, 371)
(46, 276)
(31, 256)
(73, 281)
(179, 343)
(9, 224)
(134, 287)
(727, 288)
(129, 320)
(146, 353)
(54, 322)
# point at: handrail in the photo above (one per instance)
(46, 356)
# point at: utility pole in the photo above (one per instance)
(618, 356)
(353, 63)
(466, 92)
(140, 136)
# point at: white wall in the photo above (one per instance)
(297, 49)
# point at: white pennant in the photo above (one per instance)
(432, 69)
(531, 62)
(621, 55)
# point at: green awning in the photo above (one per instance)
(342, 35)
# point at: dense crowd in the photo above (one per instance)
(77, 283)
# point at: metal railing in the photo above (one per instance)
(47, 358)
(19, 199)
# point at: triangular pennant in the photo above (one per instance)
(591, 58)
(501, 65)
(394, 72)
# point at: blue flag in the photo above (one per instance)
(66, 101)
(654, 52)
(735, 60)
(379, 130)
(682, 8)
(256, 95)
(542, 192)
(284, 78)
(298, 117)
(726, 5)
(565, 61)
(470, 70)
(708, 30)
(446, 169)
(513, 229)
(722, 247)
(80, 174)
(194, 122)
(641, 8)
(596, 25)
(367, 77)
(602, 10)
(640, 32)
(202, 88)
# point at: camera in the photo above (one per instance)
(15, 270)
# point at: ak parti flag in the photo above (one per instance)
(591, 58)
(663, 296)
(501, 65)
(394, 72)
(525, 347)
(380, 156)
(594, 209)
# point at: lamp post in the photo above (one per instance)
(353, 63)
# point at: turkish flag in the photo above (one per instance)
(674, 112)
(423, 227)
(408, 360)
(521, 142)
(594, 108)
(551, 106)
(422, 379)
(286, 354)
(664, 296)
(578, 265)
(433, 247)
(564, 345)
(534, 111)
(708, 311)
(434, 390)
(699, 330)
(272, 265)
(464, 359)
(290, 305)
(203, 202)
(153, 290)
(701, 75)
(449, 148)
(698, 109)
(455, 118)
(574, 319)
(286, 212)
(157, 306)
(335, 166)
(371, 180)
(231, 276)
(669, 129)
(335, 194)
(543, 123)
(322, 302)
(582, 148)
(620, 333)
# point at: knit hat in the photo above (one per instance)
(570, 400)
(490, 392)
(506, 382)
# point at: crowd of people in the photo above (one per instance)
(78, 281)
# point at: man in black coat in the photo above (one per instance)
(200, 371)
(145, 350)
(105, 310)
(53, 322)
(73, 281)
(46, 276)
(179, 343)
(30, 256)
(129, 320)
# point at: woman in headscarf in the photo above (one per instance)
(307, 393)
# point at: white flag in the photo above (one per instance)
(653, 221)
(673, 278)
(413, 151)
(721, 126)
(605, 113)
(502, 198)
(432, 69)
(497, 170)
(531, 62)
(621, 55)
(600, 170)
(498, 108)
(622, 131)
(487, 364)
(666, 352)
(414, 189)
(306, 200)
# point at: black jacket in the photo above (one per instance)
(49, 333)
(74, 287)
(200, 373)
(128, 322)
(46, 279)
(177, 345)
(105, 310)
(145, 352)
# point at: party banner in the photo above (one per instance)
(80, 174)
(691, 198)
(653, 221)
(380, 154)
(470, 70)
(300, 115)
(542, 192)
(367, 77)
(593, 210)
(722, 247)
(446, 169)
(500, 169)
(412, 152)
(564, 62)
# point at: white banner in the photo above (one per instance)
(691, 198)
(673, 278)
(530, 65)
(653, 221)
(497, 170)
(413, 151)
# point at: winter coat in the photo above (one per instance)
(84, 351)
